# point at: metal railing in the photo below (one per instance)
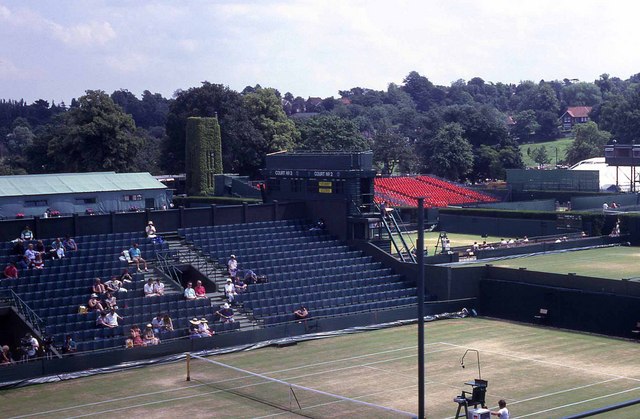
(11, 298)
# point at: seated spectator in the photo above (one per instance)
(194, 333)
(199, 289)
(136, 257)
(69, 345)
(110, 300)
(320, 224)
(94, 304)
(57, 249)
(239, 285)
(189, 292)
(232, 265)
(158, 287)
(301, 313)
(101, 320)
(503, 243)
(225, 313)
(250, 277)
(114, 285)
(30, 253)
(475, 246)
(150, 230)
(10, 271)
(149, 288)
(134, 334)
(203, 328)
(40, 248)
(27, 234)
(98, 287)
(111, 319)
(24, 263)
(149, 337)
(230, 291)
(5, 356)
(18, 248)
(69, 244)
(525, 239)
(32, 345)
(167, 323)
(126, 277)
(157, 323)
(38, 262)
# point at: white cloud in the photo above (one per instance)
(127, 62)
(85, 34)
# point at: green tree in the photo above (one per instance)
(448, 154)
(236, 130)
(589, 142)
(486, 163)
(276, 132)
(540, 155)
(331, 133)
(94, 136)
(391, 149)
(526, 125)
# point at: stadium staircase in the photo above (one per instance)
(179, 253)
(302, 266)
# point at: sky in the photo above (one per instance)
(55, 50)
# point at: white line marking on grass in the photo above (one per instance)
(154, 393)
(542, 361)
(580, 402)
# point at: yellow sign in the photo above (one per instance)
(325, 184)
(324, 190)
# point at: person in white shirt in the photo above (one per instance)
(150, 230)
(232, 265)
(158, 287)
(149, 290)
(230, 290)
(111, 319)
(189, 292)
(503, 413)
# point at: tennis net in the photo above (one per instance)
(258, 395)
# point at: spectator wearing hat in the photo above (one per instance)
(230, 291)
(203, 328)
(189, 292)
(199, 290)
(150, 230)
(194, 330)
(225, 313)
(94, 304)
(149, 337)
(232, 265)
(136, 256)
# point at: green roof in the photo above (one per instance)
(67, 183)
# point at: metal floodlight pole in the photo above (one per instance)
(420, 286)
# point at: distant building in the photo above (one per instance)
(574, 115)
(70, 193)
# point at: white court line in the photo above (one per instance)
(541, 361)
(580, 402)
(205, 384)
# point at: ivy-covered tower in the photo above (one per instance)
(203, 157)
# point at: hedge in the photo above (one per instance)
(203, 155)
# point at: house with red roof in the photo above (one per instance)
(574, 115)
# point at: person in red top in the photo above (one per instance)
(199, 289)
(10, 271)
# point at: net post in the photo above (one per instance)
(188, 366)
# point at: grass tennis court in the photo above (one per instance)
(457, 239)
(540, 372)
(611, 262)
